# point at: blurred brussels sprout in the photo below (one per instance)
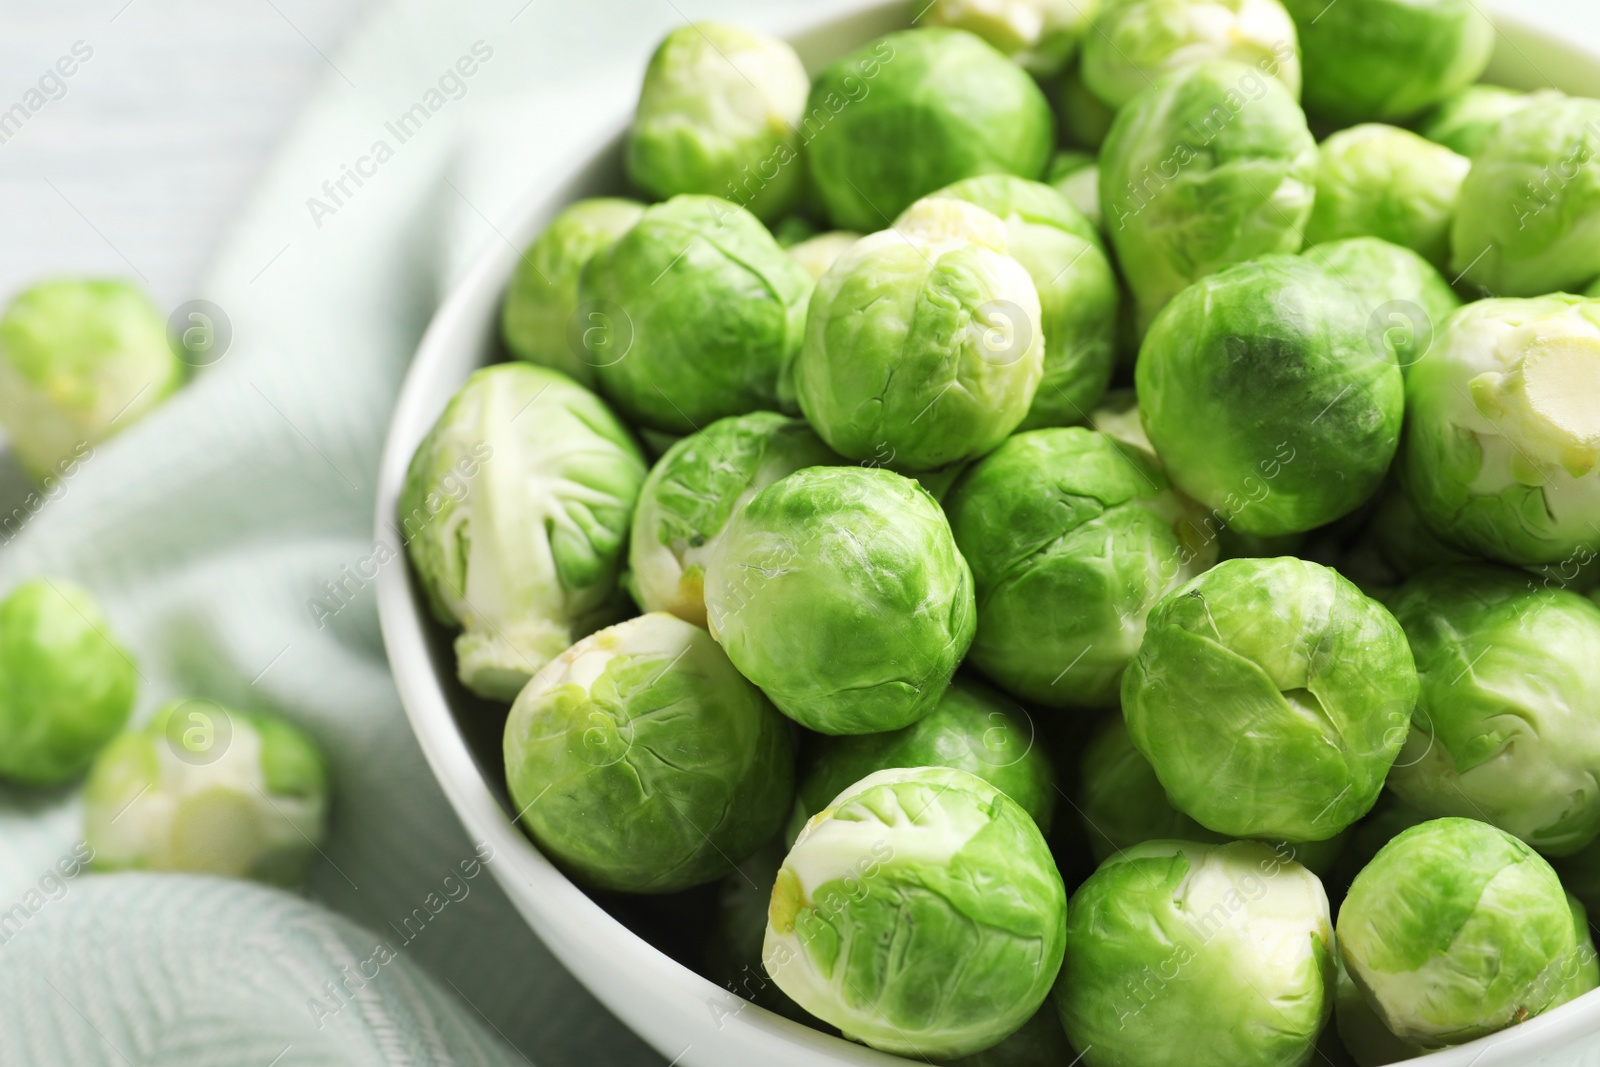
(1040, 35)
(514, 513)
(866, 558)
(65, 687)
(816, 254)
(211, 790)
(79, 362)
(914, 111)
(1076, 176)
(1528, 221)
(1464, 121)
(641, 761)
(1456, 930)
(698, 314)
(1383, 60)
(793, 230)
(1135, 42)
(1211, 166)
(1382, 181)
(1408, 299)
(934, 850)
(537, 318)
(923, 346)
(718, 115)
(1271, 696)
(1078, 294)
(1085, 118)
(1503, 430)
(1040, 1043)
(1197, 955)
(1301, 429)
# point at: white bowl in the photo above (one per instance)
(689, 1019)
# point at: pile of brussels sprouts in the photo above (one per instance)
(895, 526)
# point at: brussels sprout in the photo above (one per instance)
(793, 230)
(1211, 166)
(948, 872)
(1078, 294)
(79, 361)
(923, 345)
(816, 254)
(1271, 697)
(1072, 538)
(1382, 181)
(718, 115)
(1404, 541)
(1076, 176)
(1456, 930)
(1040, 1043)
(65, 687)
(1367, 60)
(1040, 35)
(538, 316)
(208, 789)
(1528, 221)
(972, 729)
(1135, 42)
(1408, 299)
(641, 761)
(1084, 116)
(1503, 430)
(1464, 121)
(913, 112)
(514, 513)
(865, 558)
(1197, 955)
(1301, 428)
(700, 316)
(1118, 417)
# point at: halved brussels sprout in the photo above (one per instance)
(816, 254)
(1040, 35)
(1076, 176)
(1464, 121)
(1406, 298)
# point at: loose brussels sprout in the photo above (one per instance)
(864, 560)
(65, 687)
(538, 317)
(923, 345)
(1301, 428)
(1408, 299)
(1382, 181)
(1084, 116)
(1135, 42)
(1271, 697)
(1211, 166)
(1503, 430)
(718, 115)
(1464, 121)
(79, 361)
(1078, 294)
(913, 112)
(816, 254)
(1072, 538)
(1197, 955)
(1528, 221)
(1076, 176)
(700, 316)
(1456, 930)
(212, 790)
(641, 761)
(1040, 35)
(1382, 60)
(514, 513)
(934, 851)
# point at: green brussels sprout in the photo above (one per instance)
(1135, 42)
(921, 913)
(1381, 60)
(1076, 176)
(1084, 116)
(211, 790)
(537, 317)
(1072, 538)
(79, 362)
(1382, 181)
(1464, 121)
(816, 254)
(913, 112)
(1456, 930)
(793, 230)
(1040, 35)
(1528, 220)
(1301, 428)
(1503, 430)
(514, 513)
(1040, 1043)
(1408, 298)
(1271, 697)
(65, 687)
(923, 345)
(1197, 955)
(1212, 166)
(1078, 293)
(700, 315)
(718, 115)
(866, 559)
(641, 761)
(1505, 729)
(973, 729)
